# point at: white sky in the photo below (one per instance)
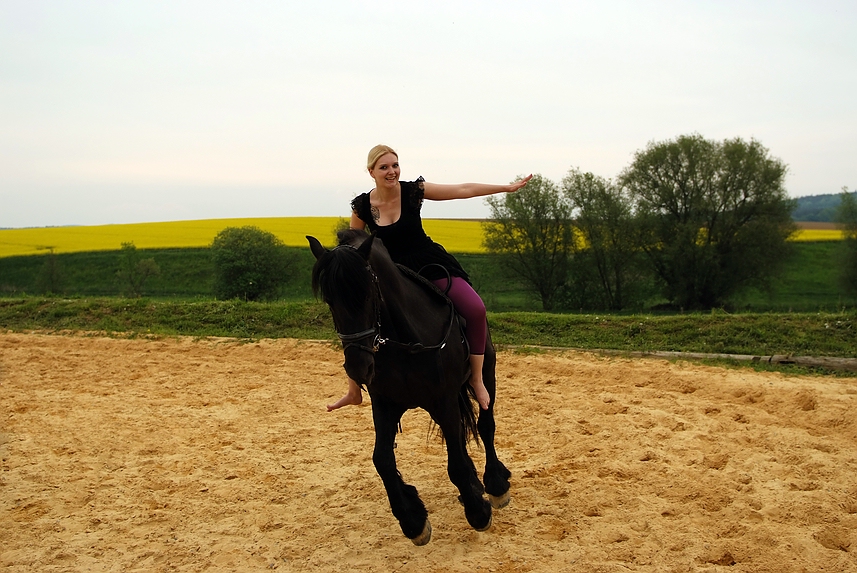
(133, 111)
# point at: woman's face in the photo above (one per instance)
(386, 172)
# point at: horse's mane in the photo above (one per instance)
(340, 276)
(351, 237)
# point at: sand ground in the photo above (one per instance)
(216, 455)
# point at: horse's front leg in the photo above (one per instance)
(462, 472)
(405, 502)
(496, 477)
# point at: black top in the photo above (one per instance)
(405, 239)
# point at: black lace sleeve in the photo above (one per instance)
(360, 205)
(355, 204)
(418, 194)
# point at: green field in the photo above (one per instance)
(188, 274)
(808, 284)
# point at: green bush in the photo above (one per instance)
(249, 263)
(134, 271)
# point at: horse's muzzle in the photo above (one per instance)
(360, 366)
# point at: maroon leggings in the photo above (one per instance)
(469, 305)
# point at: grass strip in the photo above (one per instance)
(800, 334)
(804, 334)
(143, 316)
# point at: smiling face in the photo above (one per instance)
(386, 172)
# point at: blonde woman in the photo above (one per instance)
(392, 211)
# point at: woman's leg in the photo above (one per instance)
(353, 397)
(469, 305)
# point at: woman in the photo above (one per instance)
(392, 211)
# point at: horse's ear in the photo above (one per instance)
(315, 246)
(365, 247)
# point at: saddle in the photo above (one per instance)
(434, 289)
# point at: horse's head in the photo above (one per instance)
(343, 279)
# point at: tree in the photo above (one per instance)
(342, 224)
(134, 271)
(714, 217)
(51, 276)
(532, 229)
(846, 216)
(604, 221)
(249, 263)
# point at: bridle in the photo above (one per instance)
(349, 340)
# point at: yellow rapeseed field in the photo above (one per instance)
(818, 235)
(456, 235)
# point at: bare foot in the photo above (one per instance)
(350, 399)
(482, 395)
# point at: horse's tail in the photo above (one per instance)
(467, 416)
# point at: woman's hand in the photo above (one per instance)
(518, 184)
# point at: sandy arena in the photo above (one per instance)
(216, 455)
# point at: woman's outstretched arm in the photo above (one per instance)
(441, 192)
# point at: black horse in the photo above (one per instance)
(402, 342)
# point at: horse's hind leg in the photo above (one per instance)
(405, 502)
(496, 477)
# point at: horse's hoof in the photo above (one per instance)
(423, 537)
(487, 527)
(500, 501)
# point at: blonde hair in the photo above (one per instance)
(377, 153)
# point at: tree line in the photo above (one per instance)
(691, 221)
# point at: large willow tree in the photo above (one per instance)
(714, 216)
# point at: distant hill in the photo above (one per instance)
(818, 208)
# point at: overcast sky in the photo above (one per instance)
(136, 111)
